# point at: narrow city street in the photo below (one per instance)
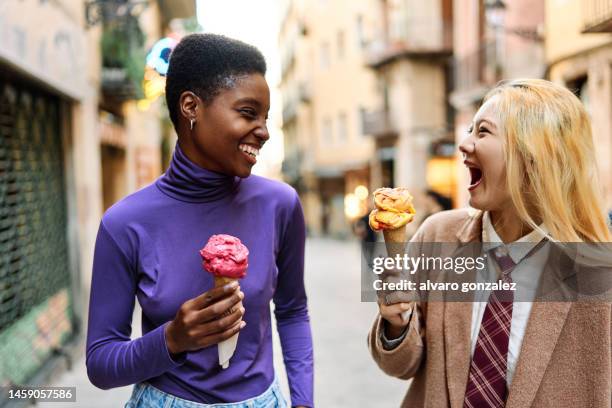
(345, 375)
(378, 115)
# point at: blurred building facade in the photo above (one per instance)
(409, 51)
(493, 40)
(325, 88)
(410, 76)
(579, 56)
(364, 89)
(73, 140)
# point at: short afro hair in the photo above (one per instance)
(205, 64)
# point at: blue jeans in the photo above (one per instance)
(145, 395)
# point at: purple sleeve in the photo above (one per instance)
(291, 309)
(112, 359)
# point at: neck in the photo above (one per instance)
(188, 181)
(508, 225)
(190, 151)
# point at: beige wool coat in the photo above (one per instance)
(565, 358)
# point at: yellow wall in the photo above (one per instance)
(341, 87)
(572, 54)
(564, 23)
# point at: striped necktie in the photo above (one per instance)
(487, 379)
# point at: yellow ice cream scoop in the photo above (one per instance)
(394, 211)
(386, 220)
(394, 199)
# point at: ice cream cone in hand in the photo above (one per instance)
(394, 210)
(222, 281)
(226, 258)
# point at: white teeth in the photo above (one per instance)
(249, 149)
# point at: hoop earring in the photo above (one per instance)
(191, 122)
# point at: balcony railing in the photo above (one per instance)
(123, 60)
(597, 16)
(116, 82)
(305, 91)
(300, 93)
(288, 59)
(378, 123)
(289, 110)
(410, 39)
(478, 70)
(292, 166)
(112, 132)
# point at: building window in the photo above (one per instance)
(580, 87)
(361, 41)
(324, 57)
(340, 44)
(361, 116)
(342, 128)
(327, 132)
(383, 88)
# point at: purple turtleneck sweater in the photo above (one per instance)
(147, 247)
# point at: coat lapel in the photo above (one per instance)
(458, 321)
(457, 347)
(545, 324)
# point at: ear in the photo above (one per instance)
(188, 105)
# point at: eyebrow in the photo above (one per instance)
(249, 99)
(487, 121)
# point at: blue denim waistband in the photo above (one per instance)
(145, 395)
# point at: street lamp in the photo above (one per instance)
(495, 5)
(495, 11)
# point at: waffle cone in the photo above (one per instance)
(222, 280)
(395, 241)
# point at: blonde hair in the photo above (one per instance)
(550, 160)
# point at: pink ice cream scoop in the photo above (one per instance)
(225, 256)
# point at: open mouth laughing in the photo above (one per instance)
(476, 175)
(250, 152)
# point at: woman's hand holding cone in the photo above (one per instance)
(395, 315)
(394, 210)
(204, 320)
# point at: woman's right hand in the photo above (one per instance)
(394, 315)
(200, 322)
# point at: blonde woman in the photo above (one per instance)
(533, 180)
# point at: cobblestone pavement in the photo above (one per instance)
(345, 375)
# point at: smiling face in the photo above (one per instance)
(229, 131)
(484, 157)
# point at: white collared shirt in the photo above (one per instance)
(526, 275)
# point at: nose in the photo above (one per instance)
(467, 145)
(261, 132)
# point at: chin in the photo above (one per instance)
(243, 173)
(477, 203)
(474, 204)
(484, 204)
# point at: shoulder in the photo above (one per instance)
(444, 226)
(275, 191)
(129, 210)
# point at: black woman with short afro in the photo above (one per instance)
(204, 344)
